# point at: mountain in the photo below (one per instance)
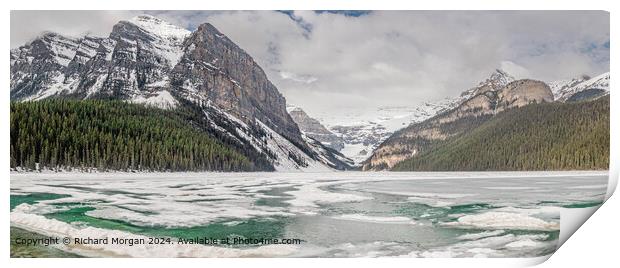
(314, 129)
(475, 106)
(329, 155)
(133, 63)
(363, 133)
(497, 80)
(547, 136)
(360, 139)
(149, 61)
(322, 141)
(581, 88)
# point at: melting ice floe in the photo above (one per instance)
(474, 236)
(503, 220)
(482, 222)
(198, 199)
(53, 227)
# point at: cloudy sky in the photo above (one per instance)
(338, 62)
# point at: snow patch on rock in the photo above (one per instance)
(161, 99)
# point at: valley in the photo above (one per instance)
(225, 95)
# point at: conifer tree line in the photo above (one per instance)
(548, 136)
(107, 134)
(116, 135)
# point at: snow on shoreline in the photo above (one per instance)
(396, 175)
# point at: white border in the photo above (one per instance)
(595, 244)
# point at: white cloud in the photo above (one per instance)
(26, 25)
(305, 79)
(331, 63)
(516, 70)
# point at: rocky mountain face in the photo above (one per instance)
(132, 64)
(329, 155)
(362, 137)
(314, 129)
(475, 106)
(147, 60)
(581, 88)
(362, 134)
(547, 136)
(214, 68)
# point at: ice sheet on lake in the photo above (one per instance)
(481, 208)
(503, 220)
(57, 228)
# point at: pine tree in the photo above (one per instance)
(549, 136)
(106, 134)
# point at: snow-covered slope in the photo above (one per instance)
(160, 99)
(283, 154)
(563, 90)
(363, 132)
(132, 63)
(328, 155)
(167, 38)
(149, 61)
(487, 99)
(288, 156)
(314, 129)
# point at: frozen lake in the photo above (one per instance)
(337, 214)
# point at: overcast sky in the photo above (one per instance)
(335, 62)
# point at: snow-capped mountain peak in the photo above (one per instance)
(363, 136)
(601, 81)
(160, 27)
(61, 47)
(314, 129)
(497, 80)
(159, 36)
(564, 90)
(150, 61)
(560, 86)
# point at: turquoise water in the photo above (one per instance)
(252, 228)
(33, 198)
(423, 218)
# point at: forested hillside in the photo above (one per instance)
(117, 135)
(549, 136)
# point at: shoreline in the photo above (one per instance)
(25, 251)
(381, 175)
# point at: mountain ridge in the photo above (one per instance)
(563, 90)
(547, 136)
(146, 60)
(149, 61)
(478, 105)
(481, 103)
(362, 138)
(314, 129)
